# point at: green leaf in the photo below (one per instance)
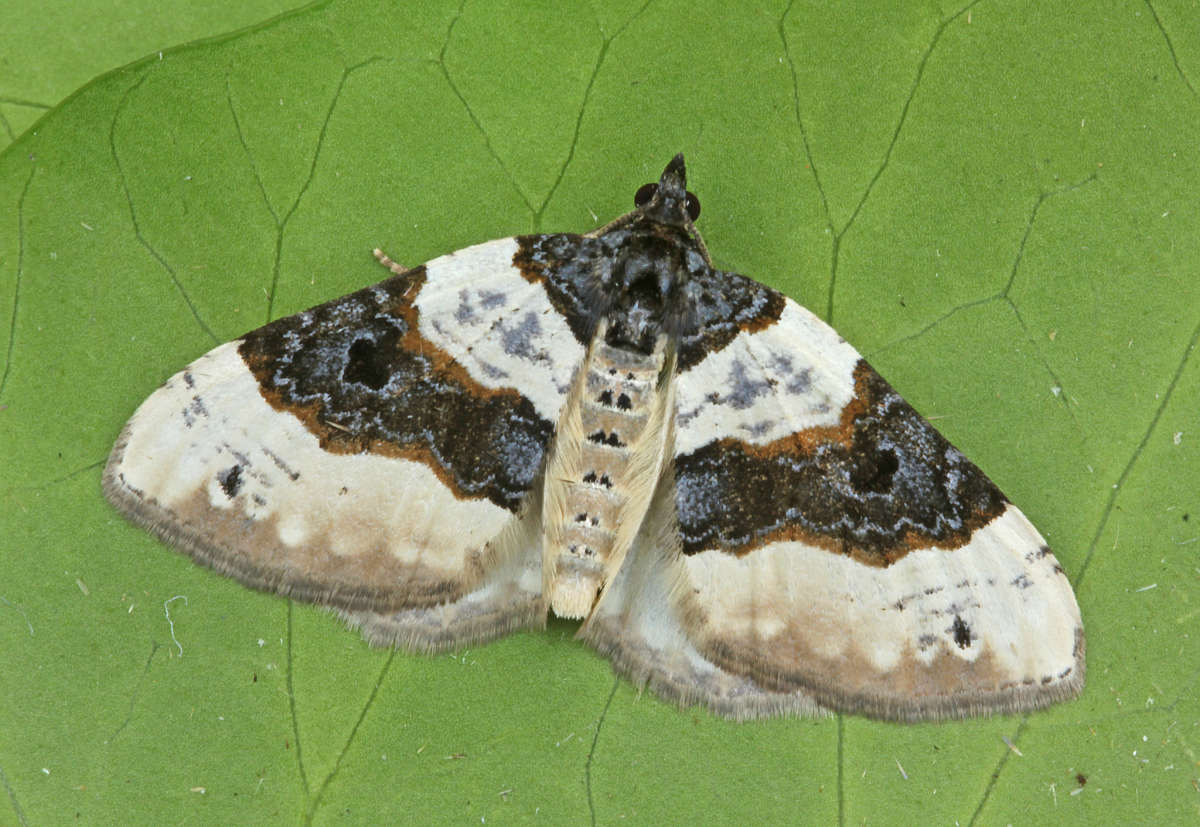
(995, 202)
(49, 49)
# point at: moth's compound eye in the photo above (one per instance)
(645, 192)
(693, 206)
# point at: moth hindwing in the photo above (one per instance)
(741, 510)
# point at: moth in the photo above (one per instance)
(742, 512)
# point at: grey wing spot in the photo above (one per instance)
(795, 381)
(758, 428)
(488, 300)
(744, 389)
(464, 313)
(684, 417)
(467, 314)
(491, 299)
(194, 411)
(518, 340)
(281, 465)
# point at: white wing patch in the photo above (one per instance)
(795, 375)
(499, 325)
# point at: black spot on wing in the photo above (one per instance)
(367, 362)
(961, 632)
(231, 480)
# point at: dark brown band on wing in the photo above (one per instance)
(879, 484)
(360, 376)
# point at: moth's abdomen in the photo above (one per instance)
(608, 453)
(614, 410)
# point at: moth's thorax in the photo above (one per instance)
(648, 283)
(610, 440)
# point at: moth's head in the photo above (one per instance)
(668, 202)
(656, 256)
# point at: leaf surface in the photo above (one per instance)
(995, 202)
